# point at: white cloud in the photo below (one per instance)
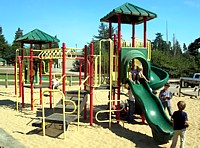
(192, 3)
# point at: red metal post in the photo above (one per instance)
(133, 43)
(22, 71)
(110, 29)
(143, 118)
(20, 77)
(145, 45)
(31, 73)
(114, 96)
(63, 66)
(91, 81)
(114, 63)
(119, 60)
(85, 75)
(115, 46)
(40, 69)
(133, 34)
(88, 61)
(50, 77)
(110, 36)
(85, 64)
(145, 32)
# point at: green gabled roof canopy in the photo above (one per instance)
(129, 14)
(37, 37)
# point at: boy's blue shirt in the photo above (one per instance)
(179, 118)
(165, 93)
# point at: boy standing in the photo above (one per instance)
(165, 97)
(180, 123)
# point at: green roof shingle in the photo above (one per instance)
(37, 36)
(129, 14)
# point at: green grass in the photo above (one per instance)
(10, 76)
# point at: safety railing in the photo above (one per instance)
(109, 110)
(98, 63)
(112, 57)
(100, 75)
(79, 98)
(114, 72)
(104, 72)
(53, 88)
(64, 112)
(97, 71)
(56, 53)
(138, 43)
(72, 52)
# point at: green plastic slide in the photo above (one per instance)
(155, 115)
(158, 77)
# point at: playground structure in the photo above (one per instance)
(110, 80)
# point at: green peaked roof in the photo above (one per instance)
(129, 14)
(37, 36)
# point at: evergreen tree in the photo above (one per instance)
(176, 48)
(18, 33)
(55, 45)
(193, 48)
(160, 44)
(3, 44)
(103, 32)
(173, 61)
(0, 30)
(184, 47)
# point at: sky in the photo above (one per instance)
(75, 22)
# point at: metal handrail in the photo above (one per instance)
(110, 76)
(64, 112)
(108, 111)
(100, 48)
(79, 97)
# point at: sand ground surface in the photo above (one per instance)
(18, 124)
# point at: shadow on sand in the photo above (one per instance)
(141, 140)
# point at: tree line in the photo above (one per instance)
(177, 60)
(7, 51)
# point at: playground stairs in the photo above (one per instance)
(55, 115)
